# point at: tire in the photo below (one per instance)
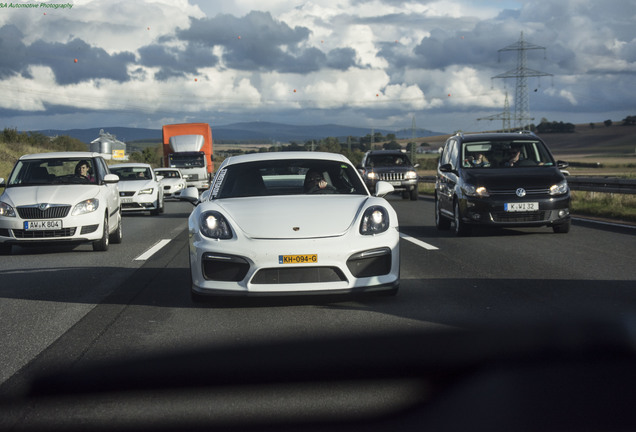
(461, 228)
(414, 194)
(118, 235)
(101, 245)
(563, 228)
(441, 223)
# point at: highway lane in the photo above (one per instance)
(71, 307)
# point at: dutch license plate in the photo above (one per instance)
(43, 225)
(298, 259)
(521, 207)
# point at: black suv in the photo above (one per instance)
(392, 166)
(500, 179)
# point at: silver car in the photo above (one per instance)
(60, 197)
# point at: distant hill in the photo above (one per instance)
(247, 131)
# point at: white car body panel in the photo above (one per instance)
(131, 199)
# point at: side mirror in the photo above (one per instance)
(2, 182)
(159, 178)
(190, 194)
(111, 178)
(383, 188)
(446, 168)
(416, 165)
(562, 164)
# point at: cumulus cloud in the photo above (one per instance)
(357, 61)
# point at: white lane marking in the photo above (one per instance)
(418, 242)
(153, 250)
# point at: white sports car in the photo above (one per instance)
(172, 181)
(60, 197)
(291, 223)
(139, 188)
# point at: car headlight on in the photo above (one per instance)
(410, 175)
(6, 210)
(475, 191)
(372, 176)
(559, 188)
(215, 226)
(146, 191)
(88, 206)
(375, 220)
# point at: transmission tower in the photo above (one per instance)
(503, 116)
(521, 73)
(413, 140)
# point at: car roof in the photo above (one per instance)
(131, 164)
(54, 155)
(270, 156)
(501, 136)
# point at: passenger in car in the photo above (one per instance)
(315, 183)
(83, 170)
(478, 161)
(515, 156)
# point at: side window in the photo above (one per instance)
(446, 153)
(100, 168)
(454, 154)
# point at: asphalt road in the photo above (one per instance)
(69, 306)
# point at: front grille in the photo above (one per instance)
(512, 192)
(126, 194)
(88, 229)
(370, 263)
(397, 176)
(293, 275)
(53, 212)
(44, 234)
(511, 217)
(224, 268)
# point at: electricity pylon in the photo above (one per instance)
(503, 116)
(521, 73)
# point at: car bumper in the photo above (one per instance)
(230, 268)
(551, 211)
(398, 186)
(84, 228)
(139, 203)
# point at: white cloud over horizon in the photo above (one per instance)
(365, 63)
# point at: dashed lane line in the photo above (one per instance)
(420, 243)
(153, 250)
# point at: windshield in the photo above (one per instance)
(37, 172)
(505, 154)
(388, 160)
(168, 173)
(187, 160)
(132, 173)
(287, 177)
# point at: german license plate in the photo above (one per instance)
(126, 200)
(395, 183)
(298, 259)
(43, 225)
(521, 207)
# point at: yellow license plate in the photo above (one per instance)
(298, 259)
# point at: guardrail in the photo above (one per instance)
(588, 184)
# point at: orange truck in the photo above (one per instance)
(188, 146)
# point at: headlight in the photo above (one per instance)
(145, 191)
(6, 210)
(559, 188)
(410, 175)
(375, 220)
(88, 206)
(475, 191)
(215, 226)
(372, 176)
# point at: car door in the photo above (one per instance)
(447, 179)
(111, 192)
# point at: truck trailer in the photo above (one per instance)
(188, 146)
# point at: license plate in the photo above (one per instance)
(126, 200)
(298, 259)
(395, 183)
(521, 207)
(43, 225)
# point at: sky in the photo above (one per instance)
(366, 63)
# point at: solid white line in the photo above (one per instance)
(150, 252)
(418, 242)
(616, 224)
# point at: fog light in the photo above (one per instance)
(563, 213)
(475, 216)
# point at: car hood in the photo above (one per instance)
(51, 194)
(512, 178)
(172, 181)
(290, 217)
(135, 185)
